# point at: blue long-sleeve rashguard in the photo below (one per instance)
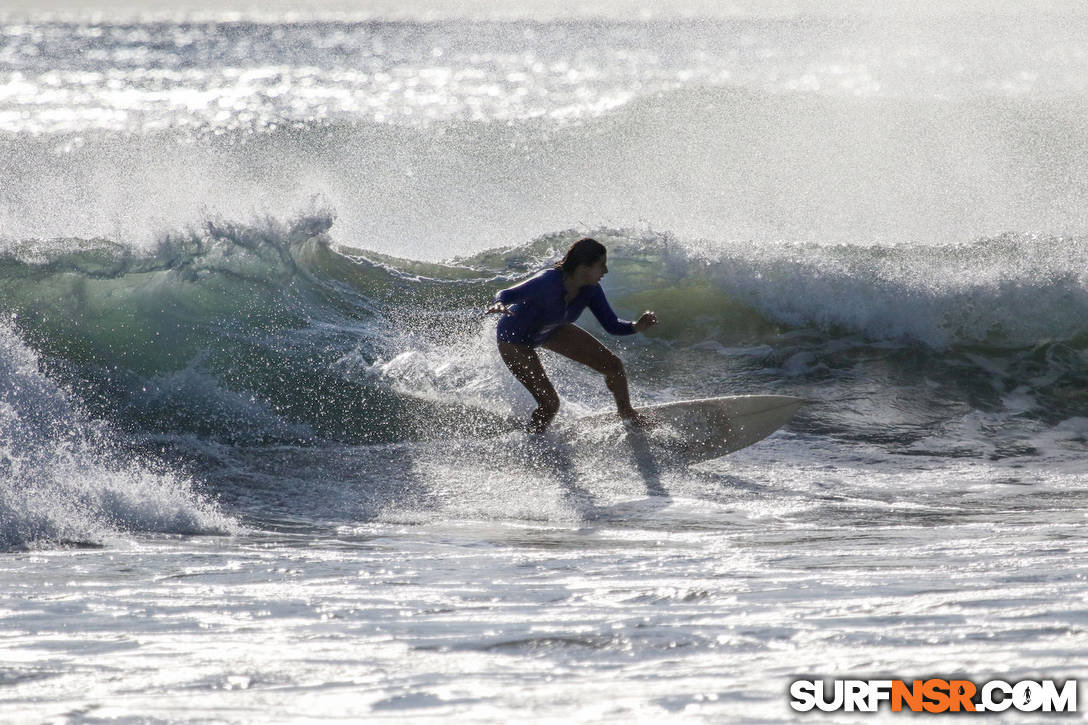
(538, 309)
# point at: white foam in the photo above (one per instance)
(59, 481)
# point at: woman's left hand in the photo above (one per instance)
(648, 319)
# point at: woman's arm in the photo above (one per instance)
(598, 303)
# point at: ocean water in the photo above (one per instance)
(260, 460)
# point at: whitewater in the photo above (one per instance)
(260, 460)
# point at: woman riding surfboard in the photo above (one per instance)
(540, 312)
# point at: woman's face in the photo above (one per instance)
(592, 273)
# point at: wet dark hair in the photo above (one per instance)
(585, 251)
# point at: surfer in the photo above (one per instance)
(540, 312)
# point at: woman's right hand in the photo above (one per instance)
(648, 320)
(499, 308)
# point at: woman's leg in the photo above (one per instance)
(525, 365)
(580, 346)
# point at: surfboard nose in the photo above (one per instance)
(712, 427)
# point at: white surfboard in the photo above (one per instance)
(711, 427)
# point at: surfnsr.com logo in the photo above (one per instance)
(934, 695)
